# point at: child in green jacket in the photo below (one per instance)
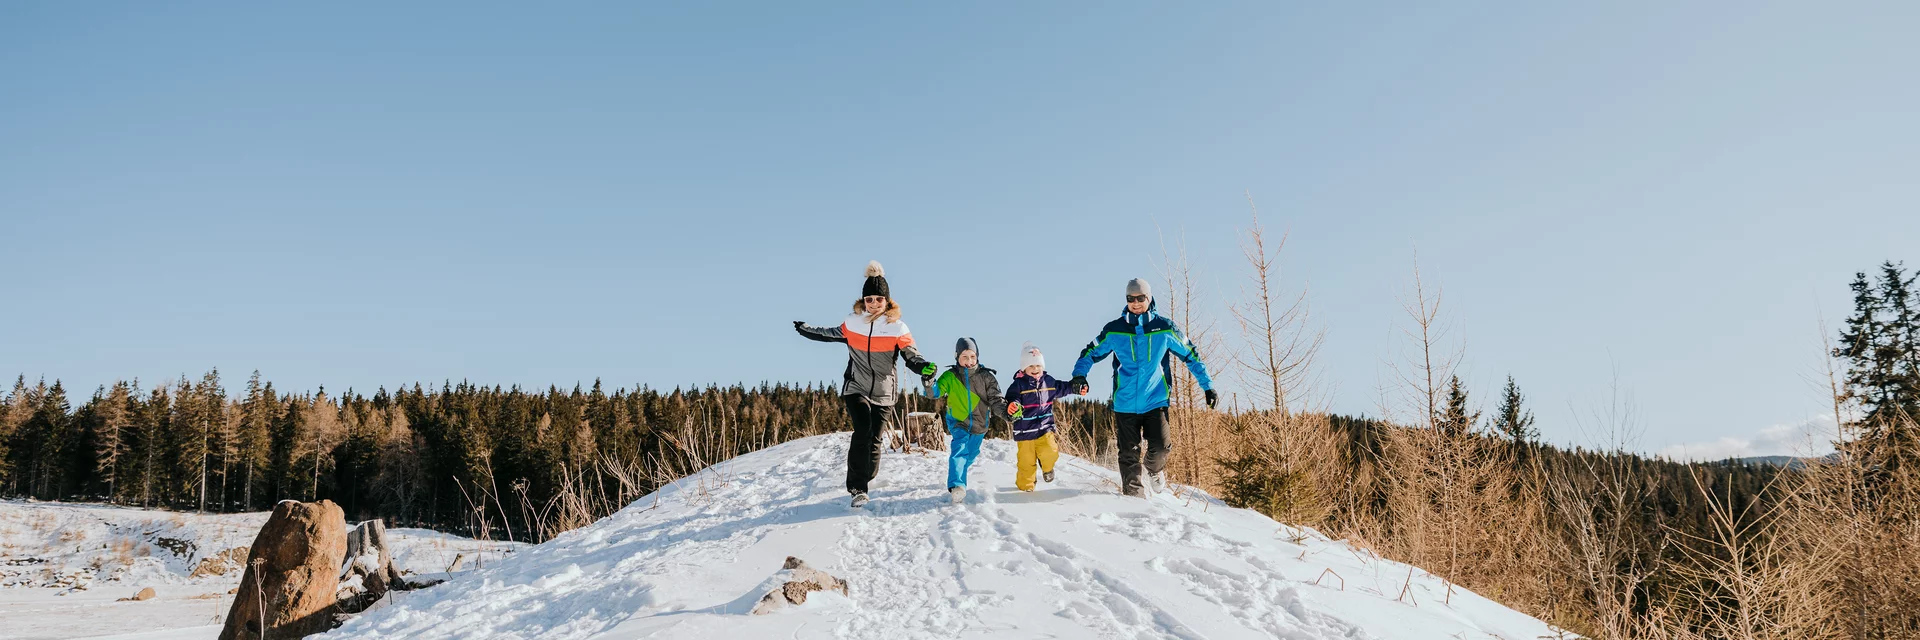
(969, 394)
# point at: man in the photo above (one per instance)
(1142, 344)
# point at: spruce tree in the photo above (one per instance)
(48, 430)
(1880, 344)
(1455, 419)
(1512, 419)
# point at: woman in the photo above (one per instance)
(876, 340)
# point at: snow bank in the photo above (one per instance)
(52, 544)
(1073, 560)
(64, 566)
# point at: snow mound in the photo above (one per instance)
(75, 546)
(1072, 560)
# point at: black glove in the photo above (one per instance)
(1213, 398)
(926, 379)
(800, 326)
(1079, 385)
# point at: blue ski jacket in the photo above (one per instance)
(1143, 348)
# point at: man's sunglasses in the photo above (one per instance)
(874, 299)
(1136, 298)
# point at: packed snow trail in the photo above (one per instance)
(1071, 560)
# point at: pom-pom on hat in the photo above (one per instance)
(1030, 355)
(876, 284)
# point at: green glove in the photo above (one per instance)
(930, 369)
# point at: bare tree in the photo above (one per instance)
(1281, 348)
(1430, 358)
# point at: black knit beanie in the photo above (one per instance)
(876, 284)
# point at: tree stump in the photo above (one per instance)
(293, 572)
(370, 566)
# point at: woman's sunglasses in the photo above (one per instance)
(872, 299)
(1136, 298)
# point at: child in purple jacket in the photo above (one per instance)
(1030, 407)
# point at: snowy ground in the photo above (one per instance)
(1073, 560)
(64, 566)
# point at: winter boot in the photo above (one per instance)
(957, 494)
(1158, 480)
(1047, 476)
(1133, 492)
(859, 499)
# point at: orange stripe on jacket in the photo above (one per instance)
(875, 343)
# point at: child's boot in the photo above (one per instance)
(957, 495)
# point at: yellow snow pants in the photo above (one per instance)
(1039, 450)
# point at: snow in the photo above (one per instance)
(1072, 560)
(64, 566)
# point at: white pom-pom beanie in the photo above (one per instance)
(1030, 355)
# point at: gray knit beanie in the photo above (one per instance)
(1138, 287)
(965, 344)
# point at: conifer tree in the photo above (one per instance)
(48, 431)
(1512, 419)
(15, 408)
(1881, 346)
(1455, 419)
(150, 422)
(110, 416)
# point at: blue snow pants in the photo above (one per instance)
(965, 447)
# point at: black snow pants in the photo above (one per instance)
(863, 455)
(1129, 428)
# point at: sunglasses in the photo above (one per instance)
(874, 299)
(1136, 298)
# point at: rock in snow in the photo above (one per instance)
(796, 581)
(294, 567)
(1072, 560)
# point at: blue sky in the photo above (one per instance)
(357, 195)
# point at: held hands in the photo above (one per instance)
(1078, 384)
(1213, 398)
(1013, 409)
(800, 326)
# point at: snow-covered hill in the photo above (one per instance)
(1073, 560)
(64, 567)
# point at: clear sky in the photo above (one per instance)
(1672, 194)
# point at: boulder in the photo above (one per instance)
(292, 572)
(798, 581)
(145, 593)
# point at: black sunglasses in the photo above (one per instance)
(1136, 298)
(874, 299)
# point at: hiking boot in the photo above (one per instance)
(1158, 480)
(1047, 476)
(957, 494)
(859, 499)
(1133, 492)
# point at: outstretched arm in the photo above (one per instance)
(819, 334)
(920, 366)
(1184, 350)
